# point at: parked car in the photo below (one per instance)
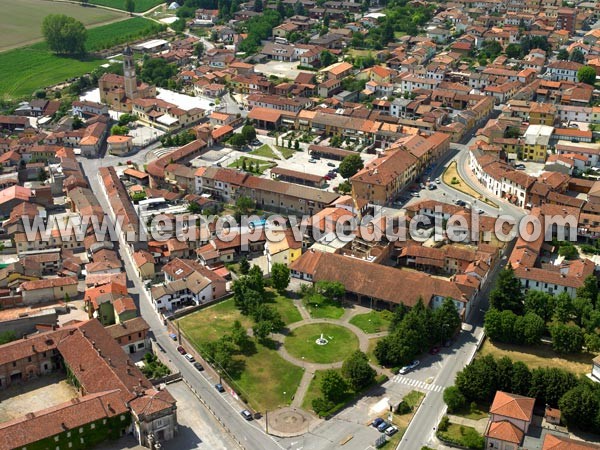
(219, 387)
(481, 211)
(198, 367)
(378, 421)
(181, 350)
(330, 164)
(422, 185)
(461, 203)
(312, 160)
(327, 177)
(256, 142)
(382, 426)
(434, 350)
(415, 194)
(391, 430)
(438, 181)
(173, 336)
(432, 187)
(404, 370)
(190, 358)
(246, 414)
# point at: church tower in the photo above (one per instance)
(129, 74)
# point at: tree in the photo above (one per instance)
(237, 140)
(249, 133)
(580, 407)
(333, 386)
(446, 320)
(533, 327)
(239, 336)
(357, 371)
(507, 293)
(326, 58)
(118, 130)
(589, 289)
(280, 9)
(130, 6)
(549, 384)
(244, 266)
(513, 51)
(566, 338)
(577, 56)
(587, 75)
(126, 118)
(592, 342)
(256, 280)
(478, 380)
(77, 123)
(42, 175)
(455, 400)
(258, 6)
(296, 145)
(350, 165)
(331, 290)
(521, 378)
(280, 276)
(540, 303)
(64, 34)
(199, 49)
(244, 205)
(563, 307)
(157, 71)
(262, 330)
(568, 251)
(563, 54)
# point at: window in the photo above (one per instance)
(92, 426)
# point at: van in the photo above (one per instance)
(246, 414)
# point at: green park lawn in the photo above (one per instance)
(211, 323)
(286, 152)
(462, 435)
(373, 322)
(27, 69)
(21, 21)
(320, 307)
(264, 150)
(262, 164)
(266, 381)
(140, 5)
(285, 307)
(301, 343)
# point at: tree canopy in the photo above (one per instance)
(350, 165)
(587, 75)
(64, 34)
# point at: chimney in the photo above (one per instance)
(128, 371)
(33, 348)
(80, 367)
(110, 361)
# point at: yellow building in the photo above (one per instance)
(542, 114)
(535, 142)
(282, 248)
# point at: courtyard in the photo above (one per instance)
(34, 395)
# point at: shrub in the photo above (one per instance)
(443, 425)
(403, 408)
(454, 399)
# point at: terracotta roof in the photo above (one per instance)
(513, 406)
(553, 442)
(48, 283)
(505, 431)
(124, 304)
(131, 326)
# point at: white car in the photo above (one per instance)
(438, 181)
(391, 430)
(415, 194)
(189, 357)
(409, 367)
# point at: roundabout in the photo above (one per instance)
(321, 343)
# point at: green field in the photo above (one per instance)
(140, 5)
(21, 21)
(373, 322)
(26, 69)
(264, 150)
(301, 343)
(119, 32)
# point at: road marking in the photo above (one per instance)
(416, 383)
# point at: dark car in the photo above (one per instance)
(219, 387)
(378, 421)
(330, 164)
(198, 367)
(181, 350)
(246, 414)
(434, 350)
(382, 426)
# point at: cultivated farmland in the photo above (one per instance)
(26, 69)
(140, 5)
(21, 21)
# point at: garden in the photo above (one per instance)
(338, 344)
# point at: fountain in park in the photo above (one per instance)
(321, 340)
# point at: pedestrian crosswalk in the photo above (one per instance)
(416, 383)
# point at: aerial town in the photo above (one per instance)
(300, 224)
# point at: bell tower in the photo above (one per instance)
(129, 73)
